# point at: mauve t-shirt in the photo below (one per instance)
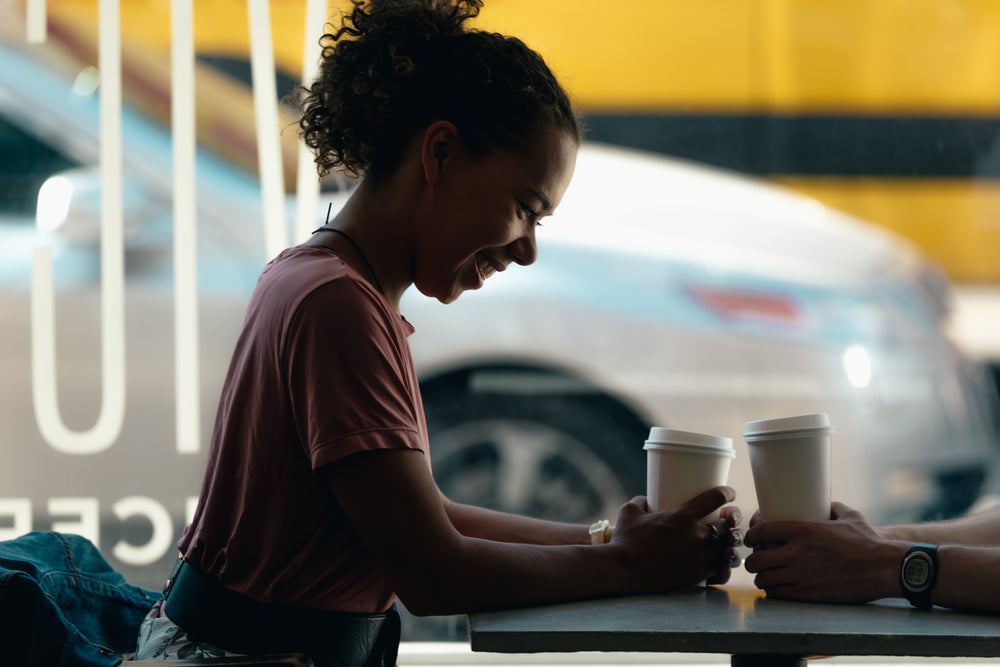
(321, 370)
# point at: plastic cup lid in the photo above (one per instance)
(812, 422)
(671, 437)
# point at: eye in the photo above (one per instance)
(529, 212)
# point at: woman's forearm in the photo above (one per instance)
(485, 574)
(502, 527)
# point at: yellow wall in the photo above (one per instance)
(923, 57)
(787, 55)
(955, 221)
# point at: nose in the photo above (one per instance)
(524, 251)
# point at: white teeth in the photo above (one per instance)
(485, 268)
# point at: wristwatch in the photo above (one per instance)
(918, 574)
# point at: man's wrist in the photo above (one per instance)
(890, 556)
(918, 572)
(901, 533)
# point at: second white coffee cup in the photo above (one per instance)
(790, 461)
(682, 464)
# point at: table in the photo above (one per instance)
(739, 621)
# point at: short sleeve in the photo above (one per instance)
(350, 376)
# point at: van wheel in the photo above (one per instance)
(564, 458)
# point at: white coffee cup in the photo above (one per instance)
(790, 461)
(682, 464)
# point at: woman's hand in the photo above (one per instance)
(840, 560)
(732, 516)
(679, 547)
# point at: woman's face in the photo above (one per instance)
(485, 212)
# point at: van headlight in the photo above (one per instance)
(857, 366)
(53, 203)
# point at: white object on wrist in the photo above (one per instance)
(601, 532)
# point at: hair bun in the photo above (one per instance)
(394, 66)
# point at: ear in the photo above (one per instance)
(438, 149)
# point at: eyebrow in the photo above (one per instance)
(546, 204)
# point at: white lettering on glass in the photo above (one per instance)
(189, 509)
(307, 184)
(86, 512)
(265, 100)
(187, 396)
(43, 364)
(163, 531)
(19, 510)
(36, 28)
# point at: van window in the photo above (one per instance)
(27, 162)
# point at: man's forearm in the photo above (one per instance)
(982, 529)
(968, 578)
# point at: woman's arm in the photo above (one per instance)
(396, 508)
(472, 521)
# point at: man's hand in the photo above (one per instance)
(840, 560)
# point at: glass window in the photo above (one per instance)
(26, 163)
(776, 205)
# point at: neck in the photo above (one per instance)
(360, 254)
(367, 219)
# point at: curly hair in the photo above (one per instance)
(395, 66)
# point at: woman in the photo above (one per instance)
(318, 507)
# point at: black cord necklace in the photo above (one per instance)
(354, 245)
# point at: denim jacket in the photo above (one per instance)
(61, 604)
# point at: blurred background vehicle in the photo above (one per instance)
(666, 293)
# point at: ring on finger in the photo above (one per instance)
(716, 534)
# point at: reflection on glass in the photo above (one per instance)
(858, 366)
(53, 203)
(87, 81)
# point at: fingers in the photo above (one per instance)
(632, 509)
(722, 558)
(780, 591)
(769, 532)
(722, 574)
(779, 532)
(722, 530)
(733, 514)
(640, 502)
(764, 560)
(723, 561)
(778, 578)
(840, 510)
(717, 531)
(736, 538)
(706, 502)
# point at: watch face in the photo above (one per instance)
(917, 571)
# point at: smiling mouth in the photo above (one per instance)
(485, 268)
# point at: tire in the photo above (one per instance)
(565, 457)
